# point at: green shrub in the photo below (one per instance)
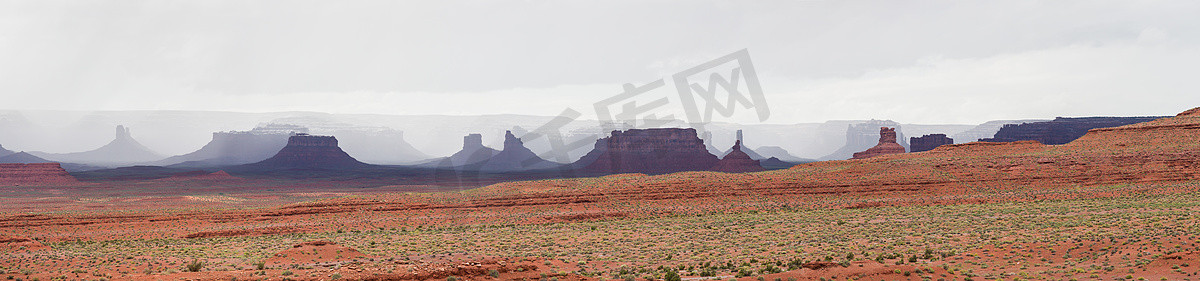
(195, 266)
(672, 276)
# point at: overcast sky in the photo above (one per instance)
(913, 62)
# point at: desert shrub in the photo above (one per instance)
(260, 265)
(671, 276)
(493, 273)
(195, 266)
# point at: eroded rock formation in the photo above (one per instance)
(649, 151)
(123, 150)
(34, 174)
(515, 157)
(1061, 130)
(863, 136)
(473, 152)
(887, 145)
(740, 139)
(737, 161)
(929, 142)
(309, 151)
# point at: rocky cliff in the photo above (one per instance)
(1061, 130)
(737, 161)
(887, 145)
(311, 152)
(863, 136)
(123, 150)
(649, 151)
(987, 130)
(26, 158)
(34, 174)
(928, 142)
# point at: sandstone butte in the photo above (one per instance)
(34, 174)
(650, 151)
(887, 145)
(309, 151)
(737, 161)
(1161, 151)
(928, 142)
(1164, 151)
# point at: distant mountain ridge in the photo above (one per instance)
(122, 150)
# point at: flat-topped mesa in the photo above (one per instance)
(928, 142)
(311, 140)
(887, 145)
(649, 151)
(34, 174)
(738, 162)
(1061, 130)
(309, 151)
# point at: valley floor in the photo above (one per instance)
(1136, 232)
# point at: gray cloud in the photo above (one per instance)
(819, 59)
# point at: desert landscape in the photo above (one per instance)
(1118, 202)
(551, 140)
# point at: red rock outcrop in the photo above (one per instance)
(314, 152)
(13, 244)
(887, 145)
(862, 136)
(737, 161)
(34, 174)
(928, 142)
(649, 151)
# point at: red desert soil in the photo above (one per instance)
(313, 252)
(9, 243)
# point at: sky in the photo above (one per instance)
(929, 62)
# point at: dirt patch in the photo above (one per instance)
(315, 252)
